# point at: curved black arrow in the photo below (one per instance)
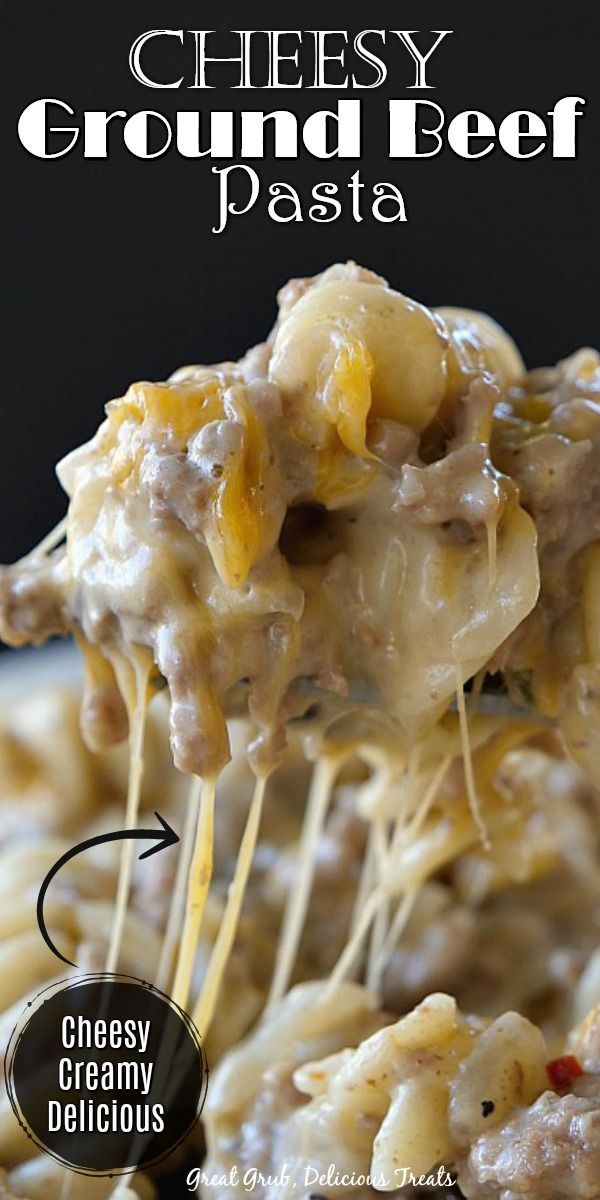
(164, 837)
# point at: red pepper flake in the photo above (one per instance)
(562, 1072)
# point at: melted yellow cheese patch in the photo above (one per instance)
(235, 533)
(173, 410)
(347, 395)
(174, 414)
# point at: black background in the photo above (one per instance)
(111, 272)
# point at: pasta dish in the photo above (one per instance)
(336, 603)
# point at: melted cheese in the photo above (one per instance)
(138, 707)
(318, 802)
(199, 878)
(205, 1006)
(177, 906)
(178, 569)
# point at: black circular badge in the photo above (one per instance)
(105, 1073)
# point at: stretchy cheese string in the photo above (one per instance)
(137, 717)
(472, 703)
(397, 927)
(468, 761)
(194, 872)
(205, 1006)
(48, 543)
(198, 884)
(172, 933)
(317, 805)
(366, 883)
(353, 945)
(381, 894)
(405, 836)
(380, 924)
(410, 785)
(177, 905)
(199, 877)
(408, 832)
